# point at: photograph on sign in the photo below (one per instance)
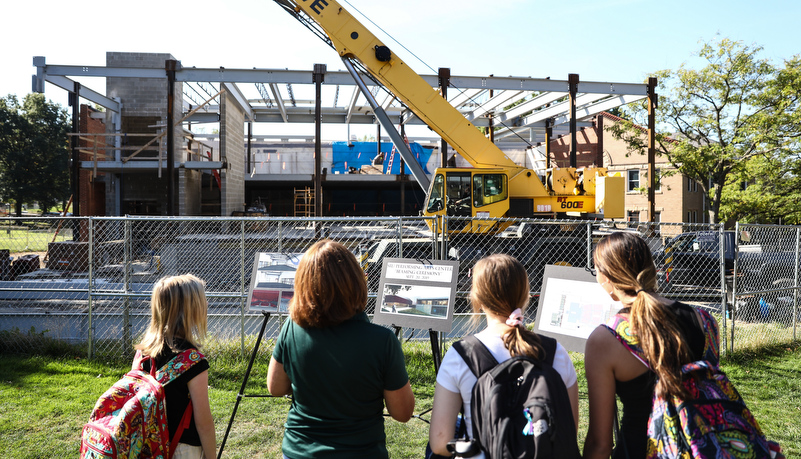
(417, 293)
(572, 304)
(272, 281)
(416, 300)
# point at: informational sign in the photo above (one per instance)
(272, 282)
(417, 293)
(572, 305)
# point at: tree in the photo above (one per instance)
(34, 151)
(718, 117)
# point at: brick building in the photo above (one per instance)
(677, 198)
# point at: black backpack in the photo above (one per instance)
(520, 407)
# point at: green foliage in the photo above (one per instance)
(737, 108)
(34, 151)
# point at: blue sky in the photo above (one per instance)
(601, 40)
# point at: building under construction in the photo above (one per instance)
(169, 139)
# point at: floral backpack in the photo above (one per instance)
(715, 422)
(130, 419)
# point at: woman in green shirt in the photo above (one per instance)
(339, 368)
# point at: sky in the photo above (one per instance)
(620, 41)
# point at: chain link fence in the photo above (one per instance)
(87, 281)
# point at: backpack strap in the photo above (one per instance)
(620, 328)
(183, 425)
(711, 336)
(480, 360)
(475, 354)
(178, 365)
(549, 346)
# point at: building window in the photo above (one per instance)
(657, 217)
(634, 215)
(634, 180)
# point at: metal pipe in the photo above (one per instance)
(411, 161)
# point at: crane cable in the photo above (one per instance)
(461, 91)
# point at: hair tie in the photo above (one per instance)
(515, 318)
(638, 292)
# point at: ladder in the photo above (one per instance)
(304, 202)
(393, 153)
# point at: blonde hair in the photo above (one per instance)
(625, 259)
(500, 285)
(329, 286)
(177, 312)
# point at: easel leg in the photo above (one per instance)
(435, 349)
(244, 382)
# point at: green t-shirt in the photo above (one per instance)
(338, 376)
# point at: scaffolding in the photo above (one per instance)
(304, 202)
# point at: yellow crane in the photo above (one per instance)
(495, 186)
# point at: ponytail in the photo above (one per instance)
(625, 259)
(522, 341)
(662, 342)
(500, 286)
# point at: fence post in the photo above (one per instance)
(242, 285)
(588, 263)
(400, 238)
(795, 284)
(128, 258)
(89, 292)
(724, 310)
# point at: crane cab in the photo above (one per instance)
(469, 192)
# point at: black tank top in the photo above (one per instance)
(636, 394)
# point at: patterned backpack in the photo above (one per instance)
(715, 422)
(130, 419)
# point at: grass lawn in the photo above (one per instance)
(32, 238)
(44, 400)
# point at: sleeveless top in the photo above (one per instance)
(636, 394)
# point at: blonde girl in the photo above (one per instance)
(177, 323)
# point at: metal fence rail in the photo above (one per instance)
(87, 280)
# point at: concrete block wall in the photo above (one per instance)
(232, 141)
(189, 192)
(144, 105)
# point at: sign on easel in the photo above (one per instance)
(572, 304)
(272, 281)
(417, 293)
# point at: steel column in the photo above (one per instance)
(444, 82)
(170, 67)
(572, 81)
(318, 77)
(652, 105)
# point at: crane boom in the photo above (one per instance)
(496, 186)
(353, 41)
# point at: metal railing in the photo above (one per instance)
(87, 280)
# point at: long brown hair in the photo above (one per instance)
(329, 286)
(625, 259)
(500, 285)
(177, 311)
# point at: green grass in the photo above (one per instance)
(32, 237)
(46, 398)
